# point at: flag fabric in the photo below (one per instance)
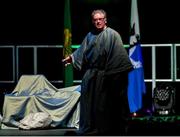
(136, 85)
(67, 50)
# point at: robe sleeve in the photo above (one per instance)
(78, 55)
(117, 56)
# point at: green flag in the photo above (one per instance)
(67, 50)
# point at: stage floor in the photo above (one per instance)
(137, 126)
(154, 126)
(47, 132)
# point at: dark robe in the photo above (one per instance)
(103, 101)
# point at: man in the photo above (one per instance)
(103, 102)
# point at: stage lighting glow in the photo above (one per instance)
(134, 114)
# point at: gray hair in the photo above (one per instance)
(98, 11)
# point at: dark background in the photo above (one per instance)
(41, 22)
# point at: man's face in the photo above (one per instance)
(99, 21)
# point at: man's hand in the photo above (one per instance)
(67, 61)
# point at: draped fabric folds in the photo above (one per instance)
(34, 93)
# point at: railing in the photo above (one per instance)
(161, 62)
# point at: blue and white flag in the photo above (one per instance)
(136, 85)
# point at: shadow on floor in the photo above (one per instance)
(47, 132)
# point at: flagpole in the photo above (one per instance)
(67, 50)
(136, 84)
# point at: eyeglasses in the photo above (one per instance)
(98, 19)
